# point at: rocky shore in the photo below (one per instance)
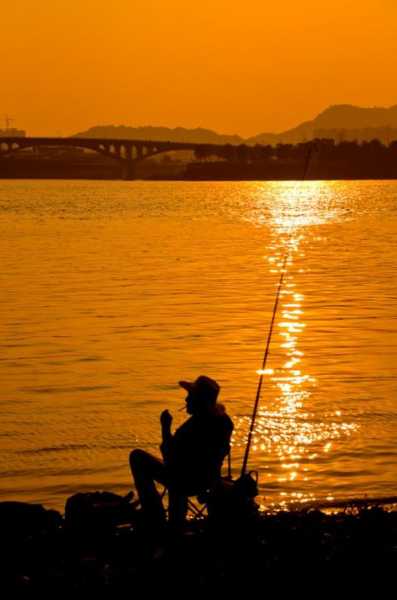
(109, 548)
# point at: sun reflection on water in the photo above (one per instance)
(289, 439)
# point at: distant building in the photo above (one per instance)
(11, 132)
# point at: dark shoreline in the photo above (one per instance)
(47, 553)
(188, 179)
(95, 167)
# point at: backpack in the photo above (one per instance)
(98, 511)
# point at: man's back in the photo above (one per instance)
(198, 448)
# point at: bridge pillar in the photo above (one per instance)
(128, 152)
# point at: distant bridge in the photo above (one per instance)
(130, 152)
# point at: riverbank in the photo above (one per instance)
(45, 553)
(97, 167)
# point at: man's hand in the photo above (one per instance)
(166, 420)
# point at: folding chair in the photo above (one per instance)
(202, 498)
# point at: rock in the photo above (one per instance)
(21, 519)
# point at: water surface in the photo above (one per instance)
(113, 291)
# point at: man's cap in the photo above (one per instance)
(203, 385)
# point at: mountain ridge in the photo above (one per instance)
(339, 122)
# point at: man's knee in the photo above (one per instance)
(137, 457)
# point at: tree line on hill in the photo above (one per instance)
(326, 160)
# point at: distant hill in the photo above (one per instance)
(339, 122)
(161, 134)
(342, 121)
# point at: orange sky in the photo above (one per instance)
(237, 67)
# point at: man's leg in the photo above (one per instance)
(146, 469)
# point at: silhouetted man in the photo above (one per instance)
(193, 455)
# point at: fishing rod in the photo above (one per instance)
(269, 336)
(262, 372)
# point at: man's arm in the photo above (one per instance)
(166, 435)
